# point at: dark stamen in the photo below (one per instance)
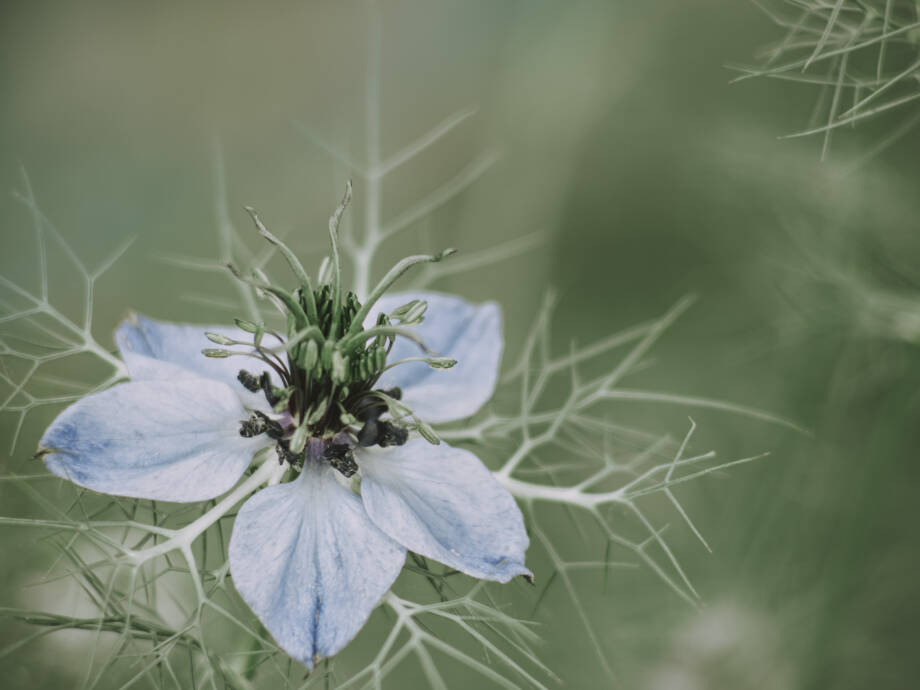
(266, 385)
(260, 423)
(391, 435)
(376, 432)
(327, 385)
(368, 435)
(341, 457)
(250, 382)
(285, 454)
(252, 427)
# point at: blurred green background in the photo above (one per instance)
(620, 140)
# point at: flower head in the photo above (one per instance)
(367, 476)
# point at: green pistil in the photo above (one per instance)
(391, 277)
(334, 221)
(297, 268)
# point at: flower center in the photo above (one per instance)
(332, 396)
(324, 394)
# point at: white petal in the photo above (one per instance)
(310, 563)
(455, 328)
(443, 503)
(159, 350)
(168, 441)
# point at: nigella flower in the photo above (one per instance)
(367, 476)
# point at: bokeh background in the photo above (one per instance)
(610, 130)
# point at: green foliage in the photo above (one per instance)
(863, 57)
(165, 614)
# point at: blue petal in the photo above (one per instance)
(453, 327)
(168, 441)
(443, 503)
(310, 563)
(157, 350)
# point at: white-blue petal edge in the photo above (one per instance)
(160, 350)
(453, 327)
(309, 562)
(163, 440)
(443, 503)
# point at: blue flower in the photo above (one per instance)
(312, 557)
